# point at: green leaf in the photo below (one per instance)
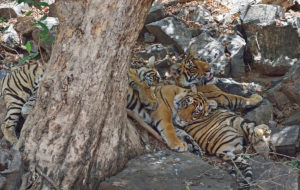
(187, 187)
(31, 56)
(247, 156)
(44, 4)
(3, 19)
(29, 13)
(4, 29)
(44, 17)
(28, 46)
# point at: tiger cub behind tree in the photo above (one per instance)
(16, 88)
(194, 71)
(223, 133)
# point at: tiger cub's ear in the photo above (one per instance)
(151, 62)
(212, 104)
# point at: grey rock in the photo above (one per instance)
(286, 139)
(262, 15)
(273, 175)
(50, 22)
(156, 50)
(10, 37)
(274, 49)
(170, 31)
(156, 12)
(8, 12)
(201, 15)
(11, 160)
(236, 47)
(261, 114)
(288, 90)
(171, 171)
(212, 51)
(294, 119)
(148, 37)
(231, 86)
(163, 66)
(236, 6)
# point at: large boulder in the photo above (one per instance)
(170, 31)
(286, 139)
(156, 12)
(273, 175)
(288, 90)
(172, 171)
(213, 52)
(10, 38)
(235, 45)
(261, 114)
(274, 48)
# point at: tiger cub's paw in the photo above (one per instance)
(254, 100)
(178, 146)
(9, 134)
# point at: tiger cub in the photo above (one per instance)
(223, 133)
(198, 72)
(175, 105)
(16, 88)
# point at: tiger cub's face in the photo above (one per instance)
(194, 71)
(149, 75)
(190, 107)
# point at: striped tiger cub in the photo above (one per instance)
(16, 88)
(194, 71)
(223, 133)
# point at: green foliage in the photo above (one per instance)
(29, 13)
(33, 2)
(3, 19)
(28, 47)
(247, 156)
(295, 164)
(4, 29)
(30, 56)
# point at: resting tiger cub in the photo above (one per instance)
(198, 72)
(16, 88)
(223, 133)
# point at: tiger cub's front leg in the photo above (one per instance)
(226, 100)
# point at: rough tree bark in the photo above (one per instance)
(78, 134)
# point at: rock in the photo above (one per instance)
(8, 12)
(284, 3)
(170, 171)
(274, 49)
(236, 47)
(286, 139)
(201, 15)
(25, 25)
(156, 12)
(231, 86)
(273, 175)
(10, 37)
(50, 22)
(262, 15)
(156, 50)
(294, 119)
(236, 6)
(163, 66)
(288, 90)
(170, 31)
(21, 8)
(149, 37)
(262, 114)
(10, 161)
(213, 52)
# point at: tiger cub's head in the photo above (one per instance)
(149, 74)
(191, 107)
(193, 71)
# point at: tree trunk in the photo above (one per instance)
(78, 133)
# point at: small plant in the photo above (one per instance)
(295, 164)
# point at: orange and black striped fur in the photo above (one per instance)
(224, 134)
(175, 105)
(16, 88)
(198, 72)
